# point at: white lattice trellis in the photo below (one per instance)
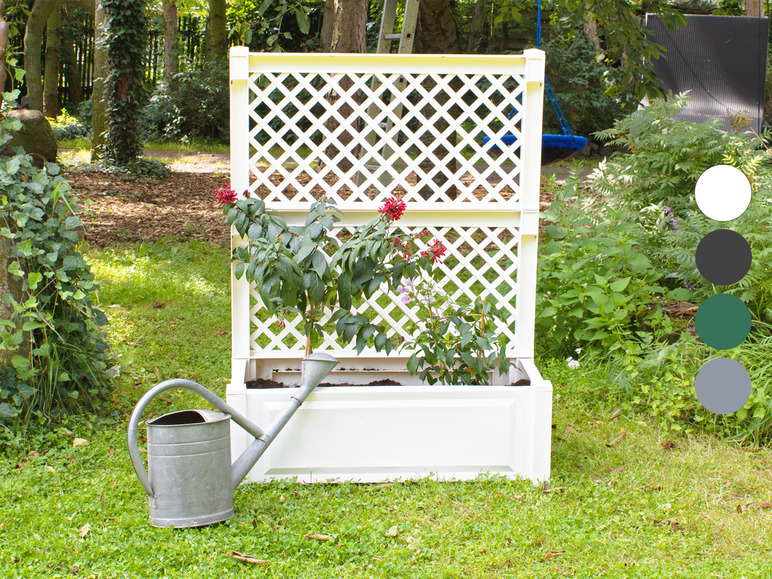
(362, 128)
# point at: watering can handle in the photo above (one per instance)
(207, 395)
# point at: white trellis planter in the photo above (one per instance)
(361, 128)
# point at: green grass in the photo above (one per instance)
(616, 507)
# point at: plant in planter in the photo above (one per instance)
(454, 343)
(293, 274)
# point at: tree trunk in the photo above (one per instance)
(98, 96)
(437, 31)
(33, 42)
(328, 21)
(171, 41)
(437, 34)
(348, 30)
(9, 286)
(217, 34)
(4, 30)
(754, 8)
(72, 74)
(51, 75)
(348, 35)
(479, 31)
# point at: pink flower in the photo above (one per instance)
(225, 194)
(393, 208)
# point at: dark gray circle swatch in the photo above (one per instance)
(723, 386)
(723, 257)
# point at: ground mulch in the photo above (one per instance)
(119, 210)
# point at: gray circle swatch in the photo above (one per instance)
(723, 257)
(723, 386)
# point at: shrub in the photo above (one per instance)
(594, 285)
(663, 157)
(194, 105)
(52, 338)
(580, 79)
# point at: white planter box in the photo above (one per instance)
(384, 433)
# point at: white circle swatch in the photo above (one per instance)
(723, 193)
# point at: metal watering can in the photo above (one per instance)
(190, 479)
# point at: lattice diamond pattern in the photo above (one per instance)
(361, 138)
(482, 261)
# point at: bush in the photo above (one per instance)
(663, 157)
(580, 79)
(595, 287)
(194, 105)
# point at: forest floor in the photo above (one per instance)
(118, 210)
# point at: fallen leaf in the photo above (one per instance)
(549, 554)
(392, 532)
(765, 505)
(110, 452)
(33, 453)
(668, 444)
(742, 507)
(617, 440)
(244, 558)
(84, 530)
(318, 537)
(159, 304)
(672, 523)
(379, 487)
(80, 442)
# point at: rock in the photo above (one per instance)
(36, 136)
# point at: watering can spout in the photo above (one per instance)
(313, 370)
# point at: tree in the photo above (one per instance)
(125, 84)
(437, 34)
(171, 44)
(217, 34)
(33, 43)
(98, 89)
(3, 44)
(51, 74)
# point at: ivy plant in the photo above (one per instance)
(125, 84)
(56, 352)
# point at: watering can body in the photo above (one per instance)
(190, 479)
(189, 467)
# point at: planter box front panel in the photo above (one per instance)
(380, 433)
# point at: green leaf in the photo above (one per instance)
(620, 285)
(412, 363)
(6, 411)
(319, 264)
(304, 23)
(555, 231)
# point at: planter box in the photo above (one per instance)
(385, 433)
(288, 115)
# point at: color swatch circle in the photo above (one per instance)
(723, 321)
(723, 192)
(723, 257)
(722, 386)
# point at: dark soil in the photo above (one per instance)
(263, 383)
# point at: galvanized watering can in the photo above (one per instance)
(190, 479)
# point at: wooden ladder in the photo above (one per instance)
(406, 36)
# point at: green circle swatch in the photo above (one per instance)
(723, 321)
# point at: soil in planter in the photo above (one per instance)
(263, 383)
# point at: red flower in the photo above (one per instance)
(225, 194)
(393, 208)
(437, 250)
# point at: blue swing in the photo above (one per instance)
(553, 147)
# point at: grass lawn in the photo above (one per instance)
(625, 499)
